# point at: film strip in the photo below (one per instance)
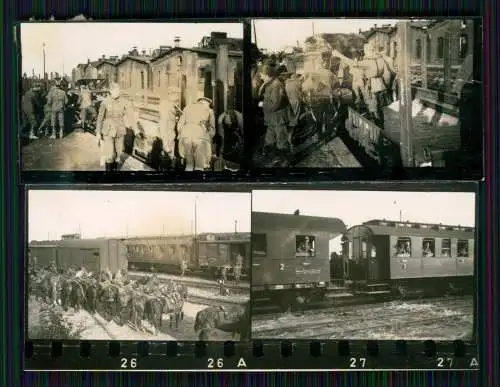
(250, 356)
(128, 318)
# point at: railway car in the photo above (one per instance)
(94, 254)
(163, 253)
(387, 255)
(290, 256)
(205, 253)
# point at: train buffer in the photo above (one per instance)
(77, 151)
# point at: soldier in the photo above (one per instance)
(81, 273)
(230, 130)
(57, 100)
(115, 115)
(85, 102)
(118, 278)
(168, 121)
(29, 107)
(53, 267)
(196, 129)
(237, 267)
(222, 280)
(276, 107)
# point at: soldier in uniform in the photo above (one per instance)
(57, 100)
(276, 107)
(85, 102)
(53, 267)
(230, 131)
(237, 267)
(115, 115)
(29, 109)
(196, 130)
(168, 121)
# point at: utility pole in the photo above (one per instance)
(236, 227)
(313, 27)
(43, 51)
(195, 217)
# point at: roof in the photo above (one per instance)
(413, 229)
(86, 243)
(106, 61)
(137, 58)
(234, 44)
(204, 51)
(383, 30)
(269, 220)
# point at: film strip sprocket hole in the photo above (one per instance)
(256, 355)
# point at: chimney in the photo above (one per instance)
(144, 53)
(375, 26)
(88, 61)
(297, 212)
(177, 41)
(359, 31)
(103, 56)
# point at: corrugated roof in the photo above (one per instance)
(269, 220)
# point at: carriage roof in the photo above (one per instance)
(384, 227)
(269, 220)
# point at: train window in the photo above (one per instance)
(363, 249)
(446, 248)
(403, 247)
(373, 252)
(428, 247)
(463, 248)
(305, 246)
(259, 244)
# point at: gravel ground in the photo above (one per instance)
(355, 325)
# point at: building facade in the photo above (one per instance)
(106, 69)
(133, 73)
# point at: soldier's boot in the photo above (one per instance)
(114, 167)
(108, 167)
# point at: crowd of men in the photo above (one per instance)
(192, 134)
(117, 298)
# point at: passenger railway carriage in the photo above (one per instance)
(409, 254)
(291, 261)
(290, 254)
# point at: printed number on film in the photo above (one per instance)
(282, 267)
(443, 362)
(126, 363)
(357, 363)
(215, 363)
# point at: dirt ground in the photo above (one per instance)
(342, 326)
(77, 151)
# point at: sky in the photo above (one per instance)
(356, 207)
(293, 30)
(67, 44)
(52, 213)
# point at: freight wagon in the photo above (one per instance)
(94, 254)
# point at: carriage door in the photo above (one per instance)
(373, 261)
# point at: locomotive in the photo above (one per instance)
(290, 257)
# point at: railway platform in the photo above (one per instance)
(77, 151)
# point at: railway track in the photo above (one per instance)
(341, 324)
(437, 301)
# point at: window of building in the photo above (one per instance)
(428, 247)
(418, 49)
(305, 246)
(142, 79)
(463, 248)
(440, 48)
(428, 49)
(395, 50)
(446, 248)
(403, 247)
(158, 83)
(259, 244)
(373, 252)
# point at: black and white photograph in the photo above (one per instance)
(333, 93)
(138, 265)
(131, 96)
(363, 265)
